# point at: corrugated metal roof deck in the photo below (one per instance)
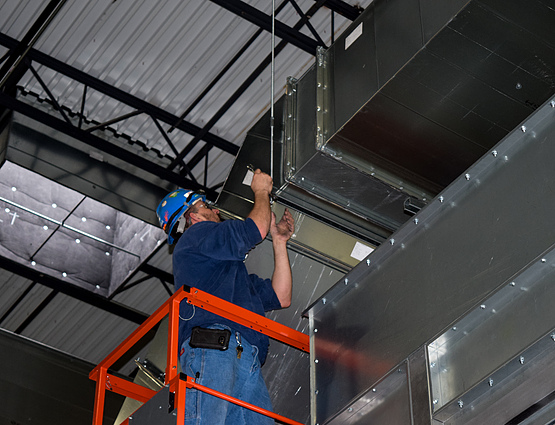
(166, 53)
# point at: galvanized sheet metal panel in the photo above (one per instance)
(487, 227)
(421, 109)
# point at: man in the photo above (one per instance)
(210, 255)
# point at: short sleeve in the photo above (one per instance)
(265, 291)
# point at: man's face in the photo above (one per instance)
(203, 212)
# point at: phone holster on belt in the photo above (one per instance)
(217, 339)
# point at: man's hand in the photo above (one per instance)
(283, 230)
(261, 182)
(282, 280)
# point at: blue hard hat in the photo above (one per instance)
(173, 206)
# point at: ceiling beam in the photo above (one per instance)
(260, 19)
(101, 144)
(74, 291)
(10, 70)
(121, 96)
(344, 9)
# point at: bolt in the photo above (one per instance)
(483, 306)
(324, 300)
(521, 359)
(315, 360)
(460, 403)
(523, 129)
(490, 382)
(494, 153)
(346, 281)
(350, 409)
(392, 241)
(544, 260)
(552, 103)
(415, 221)
(373, 390)
(467, 176)
(441, 199)
(315, 330)
(433, 364)
(553, 336)
(454, 328)
(518, 86)
(436, 401)
(512, 284)
(368, 261)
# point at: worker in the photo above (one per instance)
(209, 254)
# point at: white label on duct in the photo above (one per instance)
(248, 178)
(351, 38)
(360, 251)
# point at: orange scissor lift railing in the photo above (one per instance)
(177, 385)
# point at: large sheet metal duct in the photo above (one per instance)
(460, 297)
(412, 94)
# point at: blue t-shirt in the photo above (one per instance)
(210, 256)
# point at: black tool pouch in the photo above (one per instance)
(217, 339)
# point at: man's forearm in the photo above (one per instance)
(282, 278)
(261, 212)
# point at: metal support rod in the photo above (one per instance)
(273, 70)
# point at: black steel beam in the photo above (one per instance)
(157, 273)
(17, 302)
(344, 9)
(256, 17)
(11, 70)
(120, 95)
(34, 314)
(74, 291)
(99, 143)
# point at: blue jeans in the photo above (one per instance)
(224, 372)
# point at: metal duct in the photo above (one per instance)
(41, 219)
(468, 284)
(411, 95)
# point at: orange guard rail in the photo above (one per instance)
(108, 382)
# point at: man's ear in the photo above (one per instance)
(194, 218)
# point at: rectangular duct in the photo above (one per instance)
(470, 275)
(69, 236)
(410, 96)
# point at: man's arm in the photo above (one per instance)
(261, 213)
(282, 279)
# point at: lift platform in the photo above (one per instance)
(167, 406)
